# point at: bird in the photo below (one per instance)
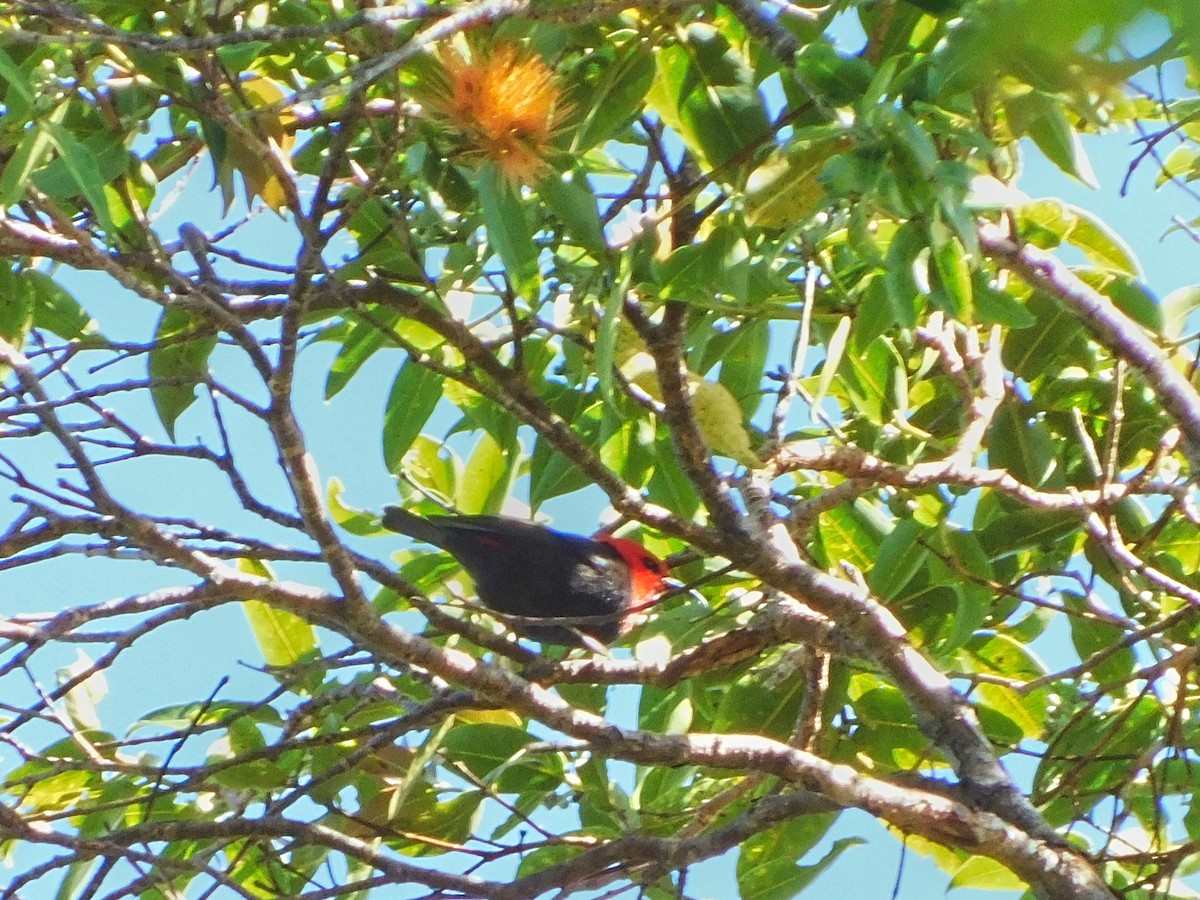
(541, 575)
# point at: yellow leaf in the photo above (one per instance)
(719, 418)
(490, 717)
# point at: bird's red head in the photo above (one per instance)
(647, 573)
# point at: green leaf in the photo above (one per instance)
(849, 534)
(182, 345)
(1049, 222)
(1177, 308)
(974, 603)
(1002, 709)
(16, 306)
(432, 466)
(617, 98)
(1092, 637)
(414, 396)
(622, 447)
(56, 310)
(668, 484)
(80, 701)
(480, 413)
(572, 201)
(380, 243)
(85, 175)
(985, 874)
(1041, 116)
(721, 265)
(901, 555)
(666, 711)
(937, 7)
(833, 358)
(486, 478)
(998, 654)
(766, 704)
(31, 154)
(1130, 296)
(1021, 445)
(966, 550)
(509, 232)
(237, 57)
(1032, 351)
(59, 792)
(607, 331)
(256, 776)
(1044, 223)
(913, 145)
(882, 705)
(880, 86)
(997, 307)
(1182, 162)
(283, 636)
(1102, 245)
(744, 362)
(359, 346)
(875, 314)
(840, 79)
(18, 82)
(76, 879)
(774, 875)
(902, 291)
(485, 748)
(953, 271)
(551, 475)
(1028, 529)
(189, 715)
(704, 91)
(867, 377)
(784, 191)
(355, 521)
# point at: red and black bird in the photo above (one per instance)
(532, 572)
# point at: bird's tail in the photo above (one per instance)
(401, 520)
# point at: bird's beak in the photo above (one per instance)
(675, 587)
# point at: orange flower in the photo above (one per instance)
(507, 104)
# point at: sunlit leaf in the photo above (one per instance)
(283, 637)
(355, 521)
(833, 358)
(1177, 308)
(784, 191)
(982, 873)
(88, 687)
(486, 477)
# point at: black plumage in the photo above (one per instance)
(526, 570)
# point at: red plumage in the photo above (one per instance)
(526, 570)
